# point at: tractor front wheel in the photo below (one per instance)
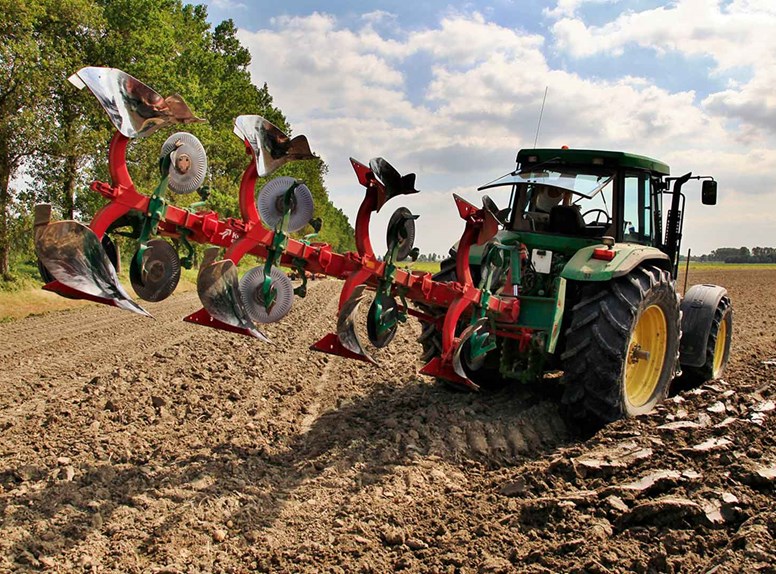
(622, 346)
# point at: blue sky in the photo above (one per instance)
(451, 90)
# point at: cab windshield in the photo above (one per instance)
(565, 200)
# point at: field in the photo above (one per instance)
(137, 445)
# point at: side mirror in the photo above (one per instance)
(709, 192)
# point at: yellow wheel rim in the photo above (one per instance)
(646, 356)
(719, 349)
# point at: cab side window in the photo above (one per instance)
(637, 210)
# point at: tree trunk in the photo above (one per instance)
(68, 186)
(5, 248)
(70, 175)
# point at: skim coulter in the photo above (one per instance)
(576, 275)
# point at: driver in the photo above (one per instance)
(547, 197)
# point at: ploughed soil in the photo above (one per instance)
(153, 445)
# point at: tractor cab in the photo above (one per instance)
(585, 193)
(591, 194)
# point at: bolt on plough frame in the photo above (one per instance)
(80, 261)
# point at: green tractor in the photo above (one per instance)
(591, 253)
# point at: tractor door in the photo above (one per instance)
(638, 211)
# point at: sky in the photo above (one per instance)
(451, 90)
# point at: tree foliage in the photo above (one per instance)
(53, 138)
(741, 255)
(39, 41)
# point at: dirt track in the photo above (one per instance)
(136, 445)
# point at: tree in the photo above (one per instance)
(58, 135)
(38, 39)
(742, 255)
(22, 85)
(62, 164)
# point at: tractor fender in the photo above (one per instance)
(627, 256)
(698, 308)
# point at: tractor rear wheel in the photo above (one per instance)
(622, 346)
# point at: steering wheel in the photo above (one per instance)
(598, 213)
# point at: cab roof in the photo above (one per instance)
(565, 156)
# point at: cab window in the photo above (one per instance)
(637, 210)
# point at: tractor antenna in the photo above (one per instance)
(541, 113)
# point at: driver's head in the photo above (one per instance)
(547, 197)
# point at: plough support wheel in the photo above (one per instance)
(188, 166)
(401, 230)
(271, 203)
(252, 286)
(158, 275)
(382, 320)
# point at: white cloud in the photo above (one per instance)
(739, 34)
(380, 18)
(744, 214)
(318, 67)
(348, 91)
(569, 7)
(736, 35)
(227, 4)
(463, 40)
(753, 104)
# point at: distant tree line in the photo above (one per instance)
(53, 138)
(740, 255)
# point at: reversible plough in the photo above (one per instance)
(81, 261)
